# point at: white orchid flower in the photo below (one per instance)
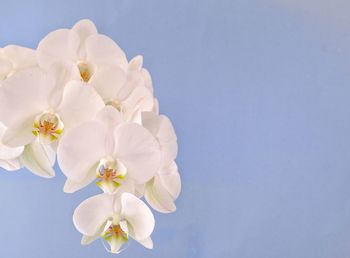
(119, 154)
(134, 96)
(97, 60)
(137, 72)
(12, 59)
(162, 191)
(37, 110)
(165, 187)
(114, 218)
(131, 106)
(15, 58)
(90, 57)
(141, 75)
(78, 98)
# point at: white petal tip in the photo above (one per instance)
(148, 243)
(68, 187)
(48, 173)
(86, 240)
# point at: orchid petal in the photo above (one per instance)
(147, 242)
(110, 117)
(63, 73)
(116, 245)
(84, 28)
(91, 215)
(39, 159)
(164, 188)
(138, 150)
(81, 149)
(138, 215)
(20, 135)
(71, 186)
(58, 46)
(10, 164)
(139, 190)
(124, 226)
(22, 97)
(80, 103)
(86, 240)
(102, 50)
(20, 57)
(108, 81)
(156, 106)
(8, 153)
(158, 197)
(147, 79)
(136, 63)
(170, 179)
(134, 80)
(140, 100)
(128, 186)
(163, 130)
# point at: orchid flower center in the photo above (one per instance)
(111, 174)
(115, 231)
(48, 127)
(86, 71)
(114, 234)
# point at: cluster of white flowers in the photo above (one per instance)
(77, 96)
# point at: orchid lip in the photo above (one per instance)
(111, 174)
(48, 127)
(114, 233)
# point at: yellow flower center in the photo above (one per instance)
(115, 231)
(114, 235)
(48, 127)
(86, 71)
(110, 173)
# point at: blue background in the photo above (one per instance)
(259, 94)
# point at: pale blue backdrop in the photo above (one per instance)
(259, 94)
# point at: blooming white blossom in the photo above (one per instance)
(13, 59)
(165, 186)
(118, 153)
(37, 109)
(114, 218)
(92, 56)
(97, 60)
(135, 95)
(79, 97)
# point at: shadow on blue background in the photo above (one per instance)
(259, 96)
